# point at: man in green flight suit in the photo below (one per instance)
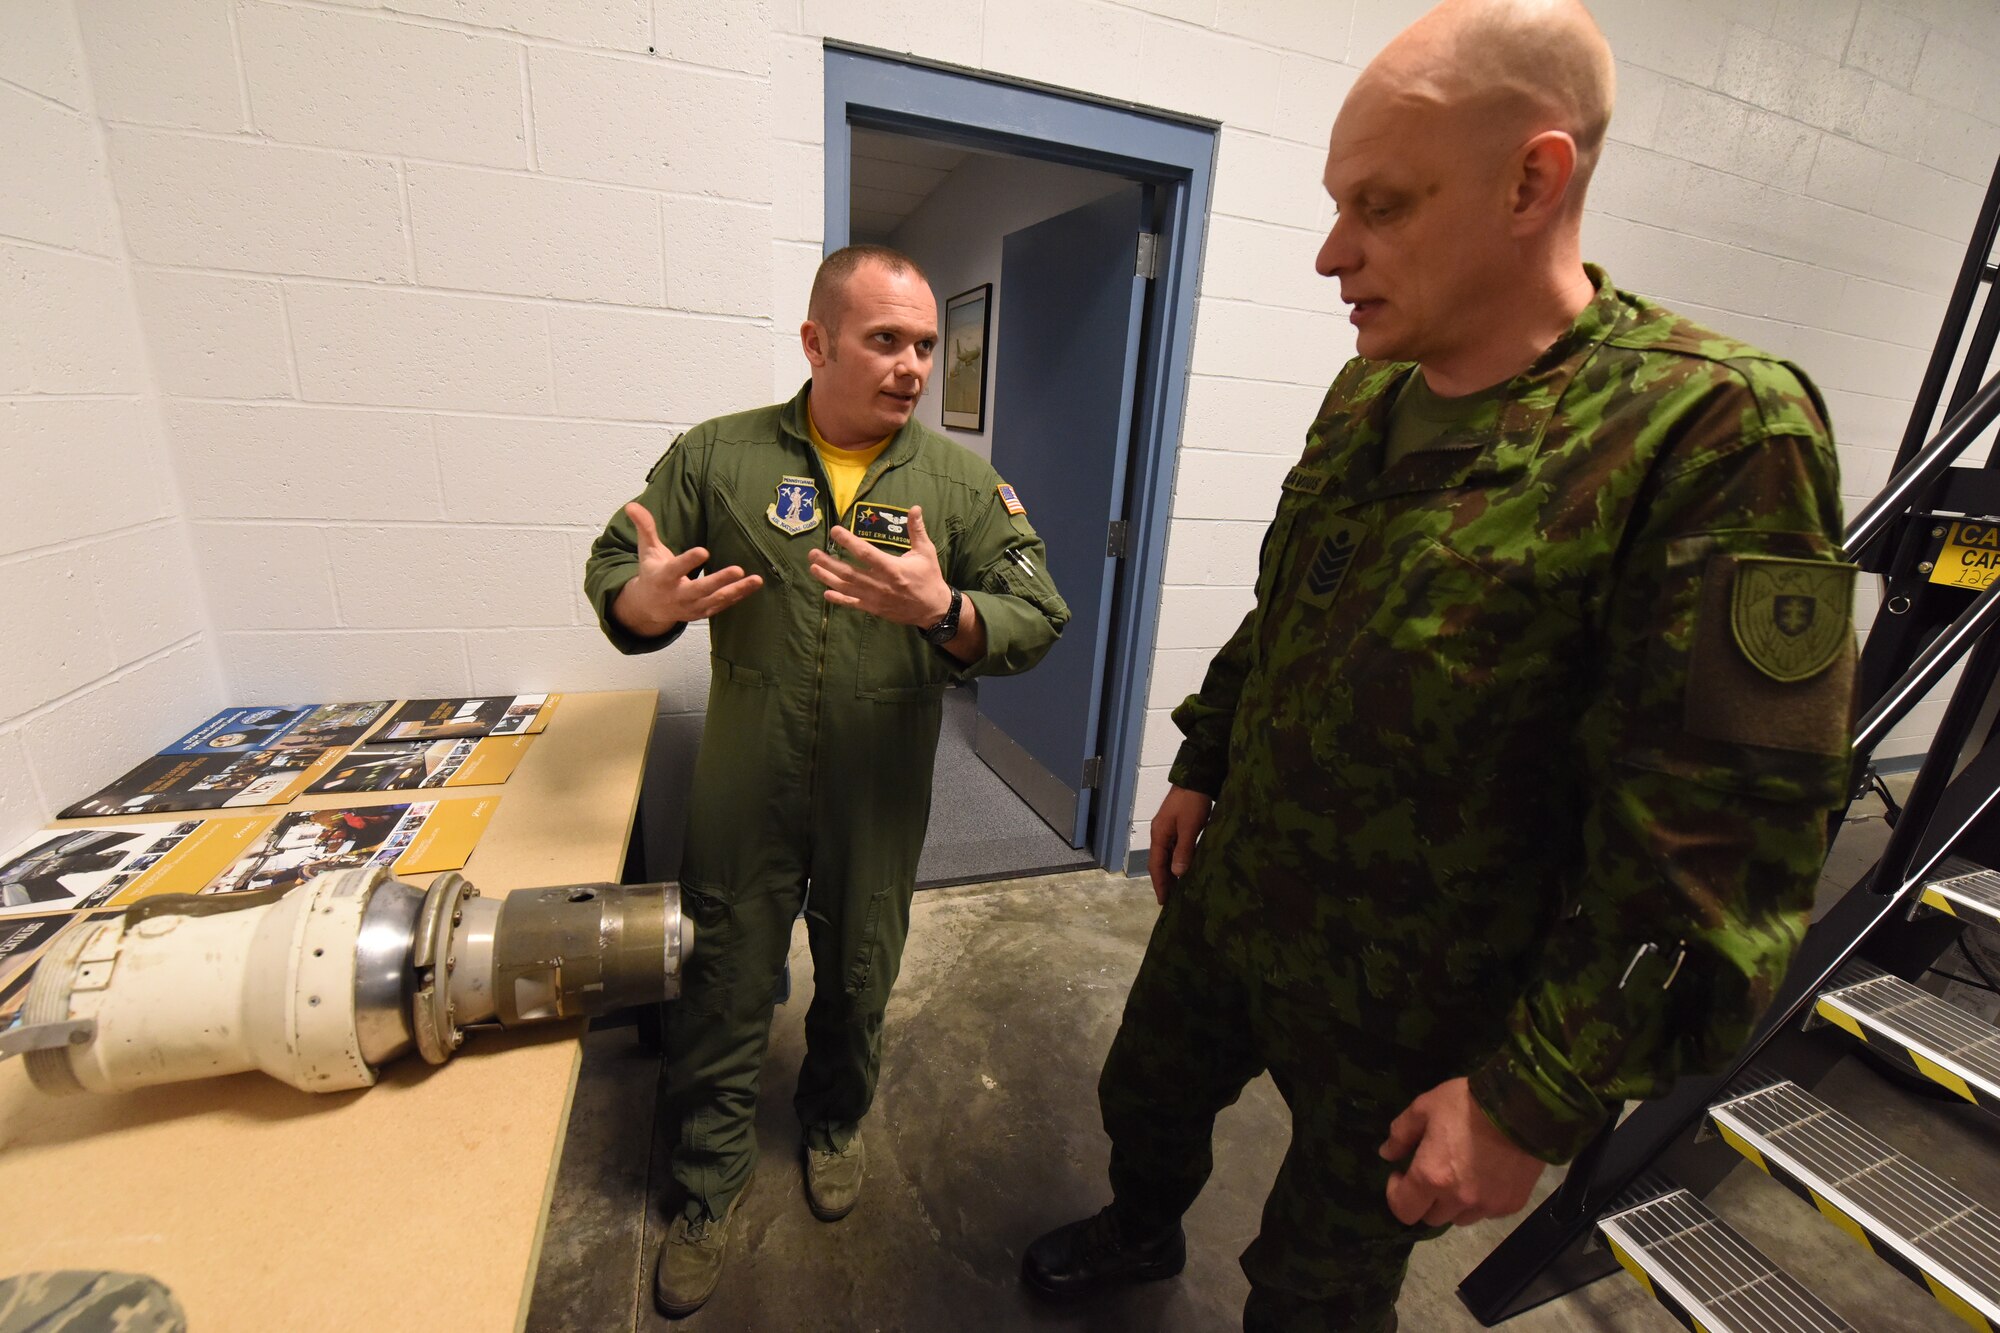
(857, 563)
(1511, 788)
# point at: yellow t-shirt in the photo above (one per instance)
(844, 467)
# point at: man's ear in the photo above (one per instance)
(817, 342)
(1544, 168)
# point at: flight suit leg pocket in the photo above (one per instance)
(712, 968)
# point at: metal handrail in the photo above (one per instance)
(1956, 436)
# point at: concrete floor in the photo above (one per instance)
(985, 1133)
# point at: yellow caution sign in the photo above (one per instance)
(1970, 557)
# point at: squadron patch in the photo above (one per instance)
(1327, 569)
(796, 509)
(1789, 617)
(885, 525)
(1011, 501)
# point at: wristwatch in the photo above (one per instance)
(946, 629)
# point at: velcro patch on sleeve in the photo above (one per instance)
(885, 525)
(1773, 656)
(1011, 501)
(1790, 616)
(1306, 481)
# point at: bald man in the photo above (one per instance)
(1506, 802)
(850, 564)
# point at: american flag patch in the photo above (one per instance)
(1011, 500)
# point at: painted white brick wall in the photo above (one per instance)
(108, 649)
(395, 272)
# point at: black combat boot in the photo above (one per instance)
(1100, 1252)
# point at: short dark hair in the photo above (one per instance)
(830, 283)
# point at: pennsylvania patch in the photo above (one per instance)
(1327, 569)
(1789, 617)
(885, 525)
(1011, 501)
(796, 509)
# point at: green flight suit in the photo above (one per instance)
(1521, 764)
(815, 765)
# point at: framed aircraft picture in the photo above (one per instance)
(966, 320)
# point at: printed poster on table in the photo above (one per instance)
(411, 839)
(283, 726)
(209, 782)
(242, 756)
(465, 719)
(23, 940)
(400, 766)
(88, 874)
(72, 869)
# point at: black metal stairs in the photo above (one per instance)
(1636, 1198)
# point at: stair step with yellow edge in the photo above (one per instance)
(1910, 1217)
(1972, 894)
(1706, 1275)
(1956, 1050)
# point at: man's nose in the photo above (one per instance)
(1336, 254)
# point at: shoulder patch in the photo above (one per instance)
(1011, 501)
(1789, 617)
(661, 461)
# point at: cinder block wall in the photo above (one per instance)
(103, 650)
(428, 285)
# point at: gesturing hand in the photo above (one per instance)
(662, 594)
(1461, 1168)
(908, 589)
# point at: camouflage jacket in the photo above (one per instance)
(1533, 735)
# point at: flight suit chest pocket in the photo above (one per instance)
(893, 664)
(738, 541)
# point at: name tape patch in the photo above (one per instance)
(885, 525)
(1307, 482)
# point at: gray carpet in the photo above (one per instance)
(979, 828)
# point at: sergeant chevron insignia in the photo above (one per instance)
(1329, 564)
(1789, 617)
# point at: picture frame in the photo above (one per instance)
(968, 319)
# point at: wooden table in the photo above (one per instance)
(417, 1204)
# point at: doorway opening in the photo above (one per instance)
(1062, 236)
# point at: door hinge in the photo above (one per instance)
(1115, 541)
(1093, 771)
(1149, 255)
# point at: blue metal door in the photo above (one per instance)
(1072, 301)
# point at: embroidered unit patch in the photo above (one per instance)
(885, 525)
(1789, 616)
(796, 509)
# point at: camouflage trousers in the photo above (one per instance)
(1328, 1255)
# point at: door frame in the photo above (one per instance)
(880, 91)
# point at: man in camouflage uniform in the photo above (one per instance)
(1519, 766)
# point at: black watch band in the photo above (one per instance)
(947, 628)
